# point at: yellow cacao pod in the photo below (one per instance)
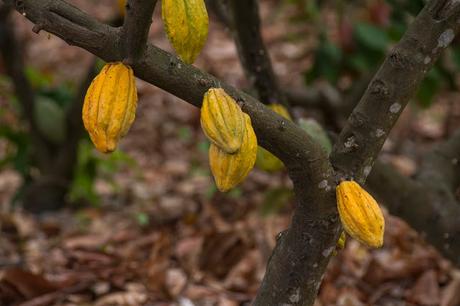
(110, 106)
(186, 25)
(231, 169)
(280, 110)
(360, 214)
(222, 120)
(266, 160)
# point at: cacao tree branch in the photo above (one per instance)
(252, 51)
(165, 71)
(391, 88)
(136, 26)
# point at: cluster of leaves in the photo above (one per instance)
(364, 34)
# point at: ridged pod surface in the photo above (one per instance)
(110, 105)
(360, 214)
(266, 160)
(222, 120)
(186, 25)
(231, 169)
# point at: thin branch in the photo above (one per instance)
(253, 53)
(392, 87)
(136, 26)
(13, 61)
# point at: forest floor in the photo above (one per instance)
(162, 235)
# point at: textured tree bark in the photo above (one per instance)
(298, 262)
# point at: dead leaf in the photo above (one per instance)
(426, 290)
(28, 284)
(450, 295)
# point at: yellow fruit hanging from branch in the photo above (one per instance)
(222, 120)
(360, 214)
(110, 105)
(231, 169)
(266, 160)
(186, 25)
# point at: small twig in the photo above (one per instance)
(253, 53)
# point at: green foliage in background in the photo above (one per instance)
(366, 31)
(51, 107)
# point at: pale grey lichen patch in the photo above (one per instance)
(395, 108)
(446, 38)
(324, 185)
(350, 142)
(379, 133)
(427, 60)
(295, 297)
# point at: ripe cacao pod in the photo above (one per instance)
(186, 25)
(360, 214)
(110, 105)
(266, 160)
(231, 169)
(222, 120)
(280, 110)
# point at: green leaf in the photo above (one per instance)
(316, 131)
(50, 119)
(371, 36)
(142, 219)
(327, 63)
(429, 87)
(275, 200)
